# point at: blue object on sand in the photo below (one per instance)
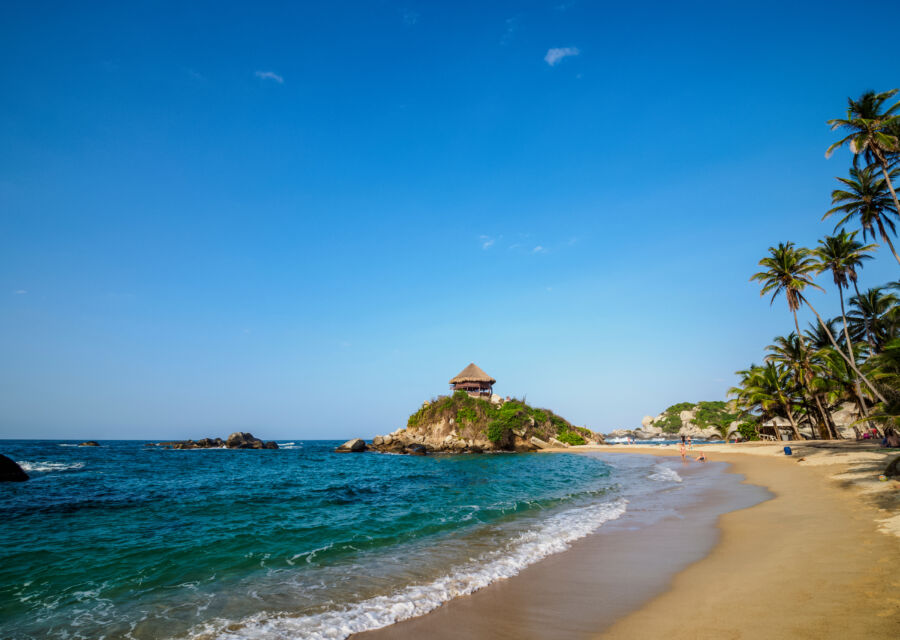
(787, 451)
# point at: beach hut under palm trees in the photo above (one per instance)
(474, 381)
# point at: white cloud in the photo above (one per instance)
(20, 292)
(486, 242)
(554, 56)
(539, 249)
(269, 75)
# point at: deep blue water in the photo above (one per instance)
(124, 540)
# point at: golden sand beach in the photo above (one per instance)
(819, 559)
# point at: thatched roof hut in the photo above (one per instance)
(473, 380)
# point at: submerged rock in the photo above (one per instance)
(357, 445)
(10, 471)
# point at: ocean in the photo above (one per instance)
(128, 541)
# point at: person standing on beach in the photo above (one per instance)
(683, 451)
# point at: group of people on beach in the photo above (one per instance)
(687, 443)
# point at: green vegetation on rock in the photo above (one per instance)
(706, 414)
(499, 423)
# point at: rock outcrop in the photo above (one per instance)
(10, 471)
(90, 443)
(357, 445)
(464, 424)
(237, 440)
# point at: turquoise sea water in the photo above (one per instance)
(127, 541)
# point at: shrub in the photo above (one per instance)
(748, 431)
(497, 431)
(466, 415)
(570, 437)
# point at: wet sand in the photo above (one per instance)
(811, 562)
(597, 581)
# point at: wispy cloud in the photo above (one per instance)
(486, 242)
(512, 25)
(20, 292)
(269, 75)
(539, 249)
(196, 75)
(555, 56)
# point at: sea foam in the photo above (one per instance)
(553, 535)
(44, 466)
(665, 474)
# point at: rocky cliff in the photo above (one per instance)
(461, 423)
(701, 420)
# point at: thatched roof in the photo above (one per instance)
(472, 373)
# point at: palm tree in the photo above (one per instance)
(842, 255)
(873, 310)
(764, 389)
(866, 197)
(816, 336)
(885, 370)
(793, 354)
(871, 131)
(790, 270)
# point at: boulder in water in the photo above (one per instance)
(357, 445)
(90, 443)
(10, 471)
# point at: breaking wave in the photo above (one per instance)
(554, 535)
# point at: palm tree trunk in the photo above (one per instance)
(887, 178)
(823, 424)
(814, 429)
(840, 351)
(790, 416)
(827, 432)
(866, 321)
(887, 238)
(859, 395)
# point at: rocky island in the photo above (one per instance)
(237, 440)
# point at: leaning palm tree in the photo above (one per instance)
(790, 270)
(871, 131)
(866, 198)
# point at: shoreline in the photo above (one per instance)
(816, 560)
(556, 598)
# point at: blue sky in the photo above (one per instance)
(302, 219)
